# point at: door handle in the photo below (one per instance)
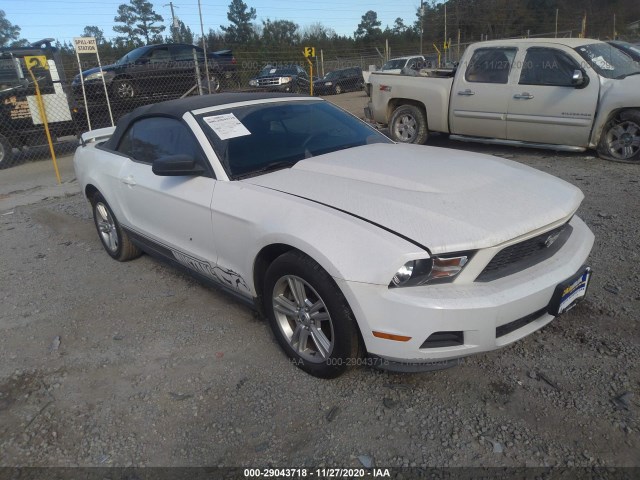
(466, 93)
(128, 181)
(523, 96)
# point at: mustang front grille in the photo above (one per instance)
(525, 254)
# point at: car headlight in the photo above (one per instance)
(437, 269)
(94, 76)
(328, 84)
(285, 79)
(253, 83)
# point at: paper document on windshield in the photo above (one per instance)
(227, 126)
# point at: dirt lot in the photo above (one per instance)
(111, 364)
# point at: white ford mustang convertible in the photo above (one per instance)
(356, 249)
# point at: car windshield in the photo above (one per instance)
(332, 75)
(268, 71)
(268, 136)
(132, 56)
(394, 64)
(10, 74)
(608, 61)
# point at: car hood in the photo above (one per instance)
(105, 68)
(445, 200)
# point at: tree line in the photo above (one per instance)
(137, 23)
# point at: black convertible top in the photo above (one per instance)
(177, 108)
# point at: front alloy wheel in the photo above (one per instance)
(622, 140)
(310, 317)
(303, 318)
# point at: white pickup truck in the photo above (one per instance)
(563, 94)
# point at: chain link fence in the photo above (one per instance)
(157, 73)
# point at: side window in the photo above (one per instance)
(152, 138)
(490, 65)
(547, 66)
(183, 53)
(159, 55)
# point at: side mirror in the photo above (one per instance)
(577, 79)
(177, 165)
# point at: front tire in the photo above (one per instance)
(123, 89)
(6, 153)
(114, 239)
(310, 317)
(338, 89)
(620, 139)
(408, 124)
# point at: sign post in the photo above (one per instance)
(310, 52)
(40, 61)
(88, 45)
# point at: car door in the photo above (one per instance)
(160, 71)
(171, 212)
(183, 68)
(479, 97)
(546, 105)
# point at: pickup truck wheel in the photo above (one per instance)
(620, 139)
(114, 239)
(408, 124)
(310, 317)
(6, 153)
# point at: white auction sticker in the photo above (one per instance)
(227, 126)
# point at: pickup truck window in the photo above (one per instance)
(547, 66)
(490, 65)
(608, 61)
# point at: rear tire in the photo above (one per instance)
(6, 153)
(310, 317)
(114, 239)
(408, 124)
(620, 139)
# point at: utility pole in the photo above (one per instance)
(421, 24)
(174, 21)
(614, 26)
(556, 23)
(445, 32)
(204, 48)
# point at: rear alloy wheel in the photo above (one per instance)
(123, 88)
(310, 317)
(114, 239)
(408, 125)
(621, 138)
(214, 83)
(6, 153)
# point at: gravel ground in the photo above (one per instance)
(137, 364)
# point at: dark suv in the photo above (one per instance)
(158, 69)
(288, 78)
(339, 81)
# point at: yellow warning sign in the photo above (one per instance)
(36, 61)
(309, 52)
